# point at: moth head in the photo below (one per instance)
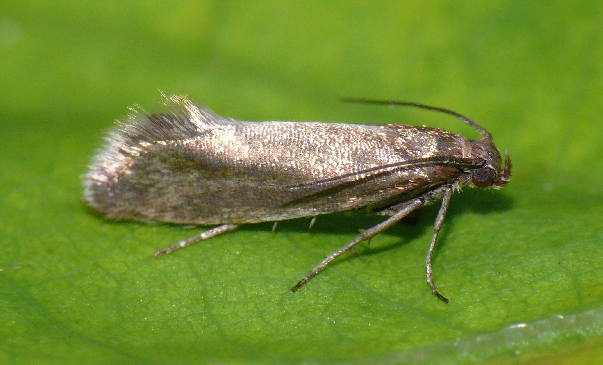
(491, 172)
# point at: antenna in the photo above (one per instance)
(476, 126)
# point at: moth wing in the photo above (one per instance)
(173, 168)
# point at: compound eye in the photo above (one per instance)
(483, 177)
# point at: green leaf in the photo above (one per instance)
(520, 265)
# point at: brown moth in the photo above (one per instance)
(192, 166)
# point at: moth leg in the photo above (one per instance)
(404, 210)
(437, 224)
(200, 237)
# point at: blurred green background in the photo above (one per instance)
(522, 266)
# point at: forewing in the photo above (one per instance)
(193, 166)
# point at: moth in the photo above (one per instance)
(192, 166)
